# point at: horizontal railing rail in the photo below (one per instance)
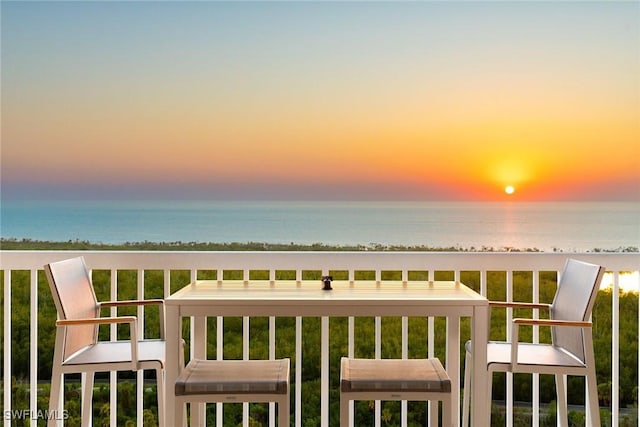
(481, 268)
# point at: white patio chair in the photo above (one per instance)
(77, 349)
(571, 351)
(233, 381)
(394, 379)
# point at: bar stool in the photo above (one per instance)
(234, 381)
(394, 379)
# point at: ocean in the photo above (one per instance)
(462, 225)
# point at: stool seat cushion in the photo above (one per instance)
(234, 377)
(401, 375)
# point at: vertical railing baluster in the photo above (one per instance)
(33, 348)
(193, 276)
(431, 325)
(536, 339)
(483, 283)
(140, 374)
(272, 356)
(405, 353)
(298, 397)
(615, 351)
(378, 352)
(166, 283)
(113, 332)
(637, 274)
(378, 337)
(245, 349)
(219, 348)
(351, 328)
(324, 366)
(509, 375)
(7, 347)
(219, 356)
(166, 291)
(272, 349)
(483, 291)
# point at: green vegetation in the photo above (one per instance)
(285, 345)
(80, 245)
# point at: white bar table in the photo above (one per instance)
(207, 298)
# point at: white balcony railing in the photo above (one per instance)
(483, 267)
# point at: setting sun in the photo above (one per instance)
(509, 189)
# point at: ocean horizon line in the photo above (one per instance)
(161, 199)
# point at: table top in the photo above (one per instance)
(309, 293)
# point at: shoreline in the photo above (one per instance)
(11, 243)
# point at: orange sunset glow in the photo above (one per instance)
(407, 100)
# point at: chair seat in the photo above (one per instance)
(535, 355)
(394, 375)
(110, 352)
(234, 377)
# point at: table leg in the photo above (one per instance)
(480, 401)
(453, 365)
(198, 351)
(172, 367)
(324, 372)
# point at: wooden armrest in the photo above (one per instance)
(138, 302)
(515, 304)
(134, 302)
(552, 322)
(97, 321)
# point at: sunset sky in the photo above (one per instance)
(321, 100)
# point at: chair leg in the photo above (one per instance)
(55, 399)
(466, 394)
(561, 391)
(591, 382)
(344, 411)
(592, 390)
(160, 392)
(489, 391)
(87, 398)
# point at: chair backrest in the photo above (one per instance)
(73, 294)
(575, 296)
